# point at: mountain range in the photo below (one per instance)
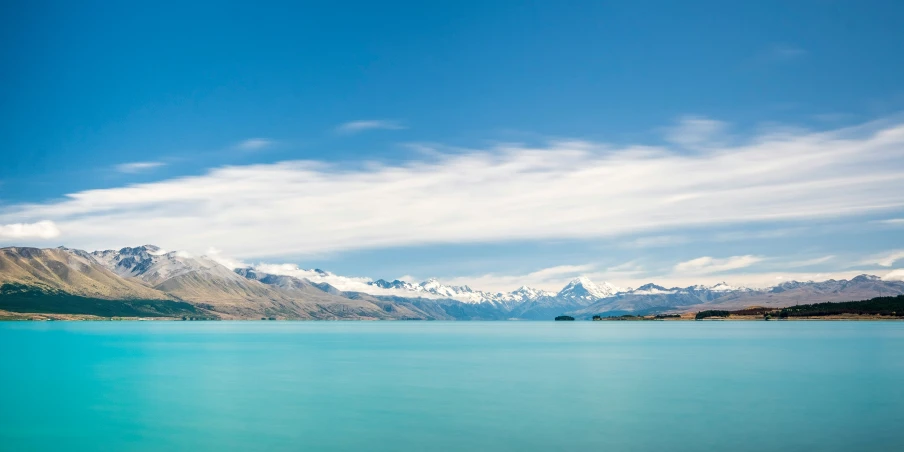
(147, 281)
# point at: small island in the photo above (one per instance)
(564, 317)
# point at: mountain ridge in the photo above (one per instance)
(148, 272)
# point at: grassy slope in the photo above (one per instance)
(20, 298)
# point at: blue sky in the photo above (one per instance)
(406, 138)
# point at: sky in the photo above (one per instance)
(492, 143)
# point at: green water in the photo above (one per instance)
(421, 386)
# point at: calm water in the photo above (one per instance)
(829, 386)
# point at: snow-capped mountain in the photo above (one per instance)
(168, 283)
(584, 291)
(154, 265)
(432, 288)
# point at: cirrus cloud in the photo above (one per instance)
(254, 144)
(884, 259)
(353, 127)
(707, 265)
(137, 167)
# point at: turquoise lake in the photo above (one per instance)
(452, 386)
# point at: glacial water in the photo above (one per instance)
(456, 386)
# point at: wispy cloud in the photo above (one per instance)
(551, 278)
(892, 221)
(353, 127)
(38, 230)
(754, 235)
(254, 144)
(786, 51)
(656, 241)
(778, 53)
(693, 132)
(808, 262)
(707, 265)
(505, 193)
(884, 259)
(138, 167)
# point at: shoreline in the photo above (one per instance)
(7, 316)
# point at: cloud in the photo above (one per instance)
(707, 265)
(137, 167)
(368, 124)
(254, 144)
(656, 241)
(754, 235)
(693, 132)
(39, 230)
(551, 278)
(505, 193)
(885, 259)
(808, 262)
(892, 221)
(627, 267)
(217, 256)
(786, 52)
(779, 53)
(894, 275)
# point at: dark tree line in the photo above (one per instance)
(712, 313)
(888, 306)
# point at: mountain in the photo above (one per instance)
(120, 282)
(432, 288)
(70, 271)
(583, 291)
(148, 281)
(791, 293)
(63, 281)
(651, 298)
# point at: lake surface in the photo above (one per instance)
(440, 386)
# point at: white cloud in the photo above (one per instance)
(552, 278)
(254, 144)
(501, 194)
(656, 241)
(561, 270)
(894, 275)
(734, 236)
(217, 256)
(693, 132)
(353, 127)
(707, 265)
(808, 262)
(892, 221)
(884, 259)
(38, 230)
(137, 167)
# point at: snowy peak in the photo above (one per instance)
(154, 265)
(652, 289)
(583, 289)
(723, 287)
(432, 288)
(529, 293)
